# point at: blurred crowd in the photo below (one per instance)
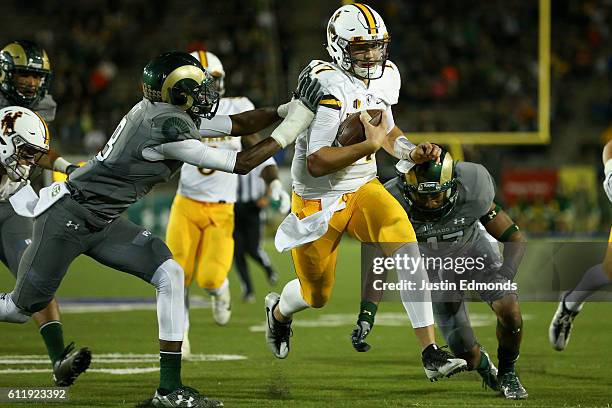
(466, 66)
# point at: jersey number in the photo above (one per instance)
(433, 241)
(104, 153)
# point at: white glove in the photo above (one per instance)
(278, 193)
(297, 120)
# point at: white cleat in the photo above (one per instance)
(9, 312)
(222, 308)
(186, 347)
(561, 327)
(277, 333)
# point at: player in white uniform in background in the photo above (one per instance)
(593, 280)
(336, 189)
(201, 224)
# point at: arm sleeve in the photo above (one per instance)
(323, 129)
(390, 121)
(193, 152)
(219, 125)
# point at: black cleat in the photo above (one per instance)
(277, 333)
(439, 363)
(71, 365)
(184, 397)
(511, 387)
(359, 334)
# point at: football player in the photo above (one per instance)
(594, 279)
(335, 189)
(25, 74)
(82, 215)
(201, 224)
(447, 203)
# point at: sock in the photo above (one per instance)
(593, 279)
(53, 336)
(186, 310)
(484, 362)
(169, 371)
(507, 358)
(367, 312)
(417, 303)
(291, 300)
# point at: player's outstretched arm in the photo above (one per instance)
(398, 146)
(499, 224)
(330, 159)
(53, 161)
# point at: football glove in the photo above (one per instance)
(278, 193)
(360, 332)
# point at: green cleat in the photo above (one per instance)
(511, 386)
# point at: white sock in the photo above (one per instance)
(169, 280)
(220, 290)
(291, 300)
(416, 302)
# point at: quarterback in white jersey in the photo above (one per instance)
(336, 189)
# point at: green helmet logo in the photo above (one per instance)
(178, 78)
(24, 57)
(431, 188)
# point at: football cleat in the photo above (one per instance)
(186, 346)
(561, 327)
(184, 397)
(9, 312)
(360, 332)
(439, 363)
(71, 365)
(277, 333)
(511, 387)
(489, 373)
(272, 276)
(222, 308)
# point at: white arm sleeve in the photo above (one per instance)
(323, 129)
(390, 122)
(194, 152)
(219, 125)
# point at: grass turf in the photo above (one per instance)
(322, 369)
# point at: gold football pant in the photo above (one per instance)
(200, 236)
(372, 214)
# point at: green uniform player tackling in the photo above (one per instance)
(448, 204)
(148, 146)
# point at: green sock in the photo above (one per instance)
(484, 362)
(53, 336)
(367, 312)
(169, 370)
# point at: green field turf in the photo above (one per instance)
(322, 369)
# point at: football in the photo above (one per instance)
(351, 130)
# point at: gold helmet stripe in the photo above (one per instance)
(447, 169)
(367, 13)
(18, 53)
(185, 71)
(411, 178)
(47, 134)
(203, 59)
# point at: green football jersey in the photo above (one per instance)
(119, 175)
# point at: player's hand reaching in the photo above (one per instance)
(308, 92)
(360, 332)
(278, 193)
(375, 135)
(425, 152)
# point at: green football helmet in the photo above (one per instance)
(24, 57)
(430, 188)
(178, 78)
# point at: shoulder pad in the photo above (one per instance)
(389, 84)
(46, 108)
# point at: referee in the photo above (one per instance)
(255, 190)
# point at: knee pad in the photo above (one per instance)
(9, 312)
(169, 275)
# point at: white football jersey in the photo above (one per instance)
(608, 179)
(343, 95)
(212, 185)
